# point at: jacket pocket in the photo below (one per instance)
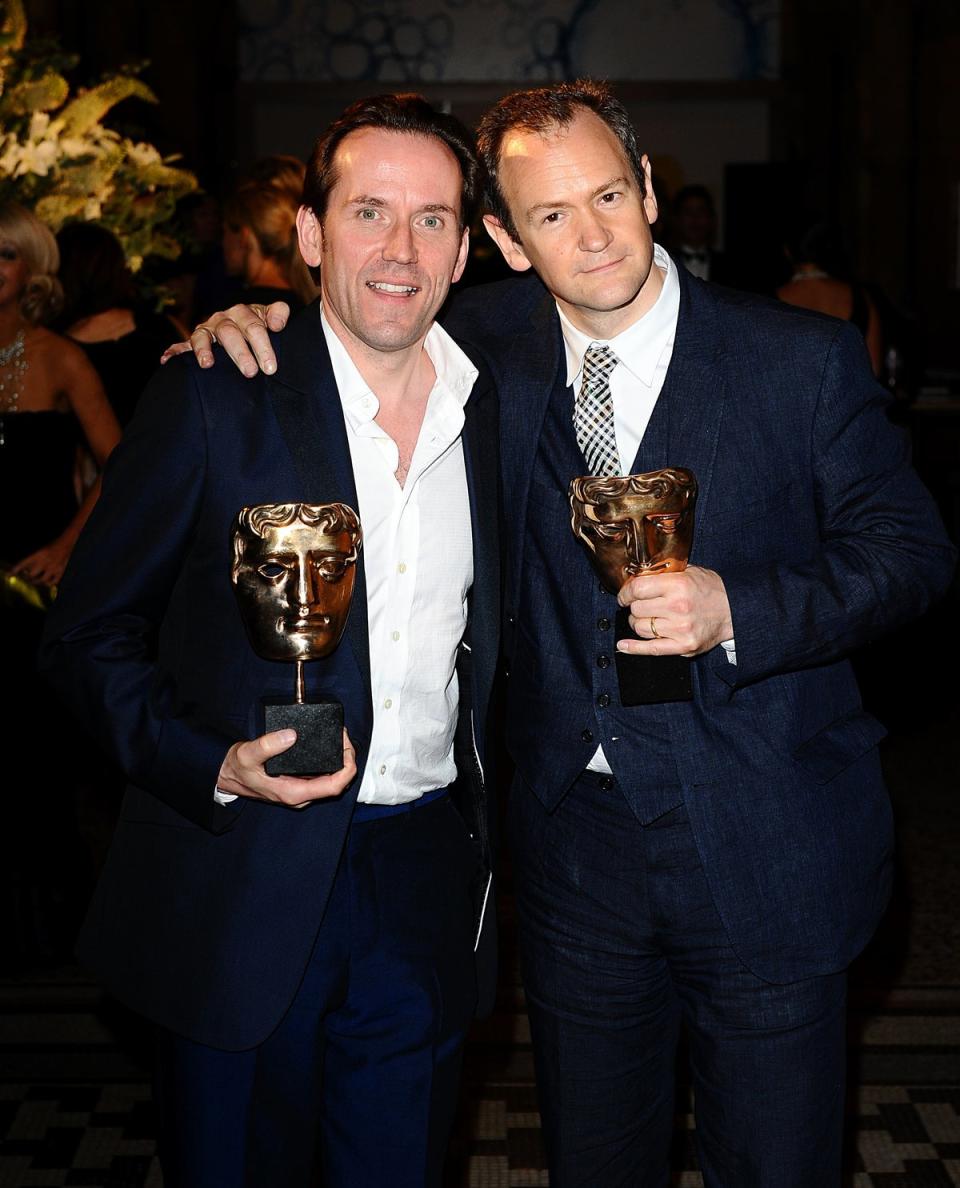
(837, 745)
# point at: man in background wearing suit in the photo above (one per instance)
(312, 972)
(713, 863)
(694, 228)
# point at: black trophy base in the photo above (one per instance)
(650, 680)
(319, 746)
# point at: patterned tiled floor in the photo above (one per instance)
(103, 1136)
(75, 1104)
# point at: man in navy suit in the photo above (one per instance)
(312, 972)
(717, 862)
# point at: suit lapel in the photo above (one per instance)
(307, 405)
(479, 453)
(528, 371)
(695, 387)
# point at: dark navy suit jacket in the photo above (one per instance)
(205, 916)
(824, 538)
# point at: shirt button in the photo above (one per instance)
(603, 661)
(383, 769)
(402, 567)
(587, 736)
(603, 624)
(603, 700)
(606, 784)
(387, 703)
(395, 635)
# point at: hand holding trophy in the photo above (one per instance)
(638, 524)
(294, 569)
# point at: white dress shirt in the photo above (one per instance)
(644, 351)
(418, 562)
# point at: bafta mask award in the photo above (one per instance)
(638, 524)
(294, 569)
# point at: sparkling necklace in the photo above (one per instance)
(13, 368)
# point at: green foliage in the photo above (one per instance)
(59, 158)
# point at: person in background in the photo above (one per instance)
(198, 279)
(120, 335)
(819, 281)
(50, 398)
(260, 244)
(280, 169)
(694, 227)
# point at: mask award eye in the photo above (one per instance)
(332, 568)
(271, 570)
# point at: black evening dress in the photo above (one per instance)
(42, 881)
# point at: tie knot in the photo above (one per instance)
(598, 364)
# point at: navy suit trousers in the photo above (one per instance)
(621, 946)
(357, 1087)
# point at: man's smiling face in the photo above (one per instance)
(390, 242)
(583, 223)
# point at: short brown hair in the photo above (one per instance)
(409, 113)
(540, 110)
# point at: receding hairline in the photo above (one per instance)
(411, 134)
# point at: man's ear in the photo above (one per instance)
(650, 198)
(309, 236)
(511, 251)
(462, 255)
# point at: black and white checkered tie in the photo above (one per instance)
(593, 412)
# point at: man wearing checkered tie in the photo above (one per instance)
(593, 413)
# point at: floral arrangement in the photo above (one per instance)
(58, 157)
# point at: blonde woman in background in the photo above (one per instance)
(50, 399)
(260, 243)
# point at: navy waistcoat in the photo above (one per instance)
(564, 672)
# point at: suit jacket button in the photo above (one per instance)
(603, 700)
(606, 784)
(603, 661)
(603, 623)
(587, 736)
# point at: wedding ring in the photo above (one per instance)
(207, 330)
(653, 627)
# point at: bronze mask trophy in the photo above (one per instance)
(638, 524)
(294, 569)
